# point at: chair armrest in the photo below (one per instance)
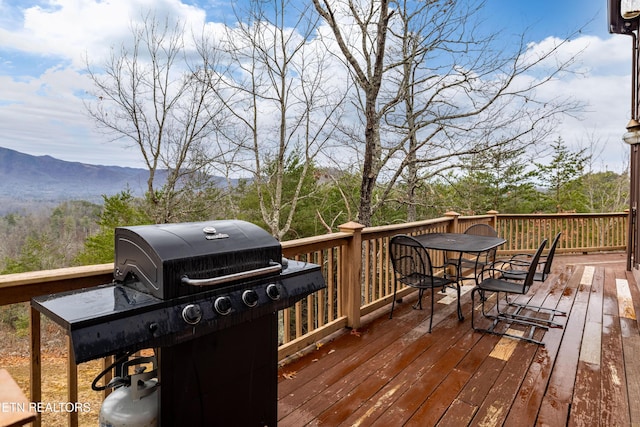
(491, 271)
(519, 262)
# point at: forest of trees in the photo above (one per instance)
(82, 233)
(376, 111)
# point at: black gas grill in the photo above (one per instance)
(205, 296)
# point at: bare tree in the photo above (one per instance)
(146, 93)
(276, 90)
(434, 90)
(364, 54)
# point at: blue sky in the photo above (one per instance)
(42, 44)
(551, 17)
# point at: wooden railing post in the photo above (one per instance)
(453, 225)
(494, 219)
(351, 266)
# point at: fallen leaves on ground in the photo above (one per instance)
(289, 375)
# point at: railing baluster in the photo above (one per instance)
(332, 288)
(286, 324)
(298, 317)
(311, 313)
(369, 262)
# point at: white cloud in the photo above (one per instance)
(43, 116)
(602, 83)
(71, 29)
(40, 112)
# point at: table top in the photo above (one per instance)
(459, 242)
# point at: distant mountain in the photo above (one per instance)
(27, 181)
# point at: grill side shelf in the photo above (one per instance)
(86, 307)
(115, 318)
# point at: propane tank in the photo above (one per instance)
(122, 409)
(134, 399)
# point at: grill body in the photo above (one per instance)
(205, 296)
(226, 379)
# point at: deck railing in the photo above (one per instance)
(580, 232)
(356, 266)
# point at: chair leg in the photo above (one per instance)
(519, 307)
(483, 298)
(460, 315)
(393, 302)
(552, 311)
(473, 308)
(418, 304)
(501, 317)
(433, 297)
(476, 275)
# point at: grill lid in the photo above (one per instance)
(172, 260)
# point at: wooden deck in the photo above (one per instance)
(393, 372)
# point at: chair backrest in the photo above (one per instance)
(409, 257)
(547, 264)
(484, 230)
(481, 230)
(528, 281)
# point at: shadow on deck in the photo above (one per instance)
(393, 372)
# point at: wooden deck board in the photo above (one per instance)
(497, 402)
(438, 401)
(614, 403)
(525, 409)
(631, 349)
(393, 372)
(398, 369)
(586, 397)
(421, 386)
(554, 409)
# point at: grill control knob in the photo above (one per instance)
(153, 328)
(273, 292)
(250, 298)
(192, 314)
(222, 305)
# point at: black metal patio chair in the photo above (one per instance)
(493, 282)
(523, 260)
(474, 260)
(515, 268)
(412, 267)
